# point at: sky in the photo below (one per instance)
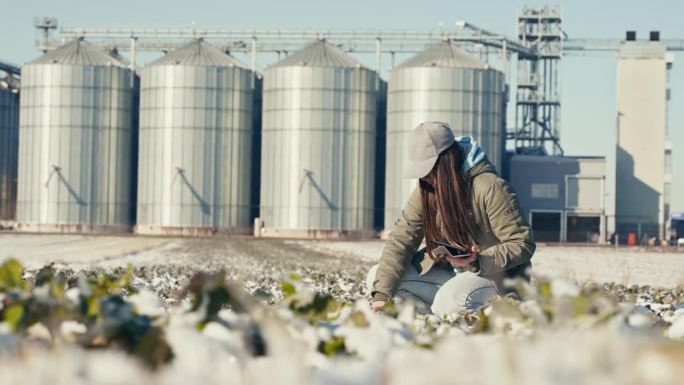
(588, 83)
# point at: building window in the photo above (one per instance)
(666, 193)
(666, 199)
(668, 162)
(668, 96)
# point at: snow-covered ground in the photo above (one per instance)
(627, 266)
(167, 262)
(558, 335)
(84, 251)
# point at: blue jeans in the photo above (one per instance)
(441, 291)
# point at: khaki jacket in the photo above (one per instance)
(504, 236)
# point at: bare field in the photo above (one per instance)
(307, 319)
(626, 266)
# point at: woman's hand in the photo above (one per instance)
(466, 261)
(377, 306)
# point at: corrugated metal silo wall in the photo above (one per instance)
(135, 142)
(195, 149)
(256, 146)
(318, 151)
(504, 161)
(75, 148)
(470, 100)
(380, 156)
(9, 143)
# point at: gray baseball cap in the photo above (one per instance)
(424, 145)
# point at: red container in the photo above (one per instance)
(631, 239)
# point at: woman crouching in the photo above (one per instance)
(475, 233)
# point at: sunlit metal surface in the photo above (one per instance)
(196, 138)
(318, 144)
(76, 142)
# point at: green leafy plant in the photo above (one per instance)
(110, 321)
(211, 293)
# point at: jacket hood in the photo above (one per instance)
(475, 162)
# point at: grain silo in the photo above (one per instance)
(196, 135)
(9, 135)
(318, 145)
(75, 142)
(442, 83)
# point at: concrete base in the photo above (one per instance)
(7, 225)
(71, 228)
(193, 231)
(267, 232)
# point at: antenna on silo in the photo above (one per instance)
(45, 25)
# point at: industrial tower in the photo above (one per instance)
(537, 118)
(644, 149)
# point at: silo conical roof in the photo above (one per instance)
(444, 54)
(116, 55)
(198, 53)
(319, 54)
(77, 52)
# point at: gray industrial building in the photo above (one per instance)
(644, 149)
(443, 83)
(196, 143)
(9, 137)
(76, 142)
(318, 145)
(565, 199)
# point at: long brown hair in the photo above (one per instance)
(450, 196)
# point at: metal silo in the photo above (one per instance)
(75, 136)
(9, 142)
(196, 135)
(442, 83)
(318, 145)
